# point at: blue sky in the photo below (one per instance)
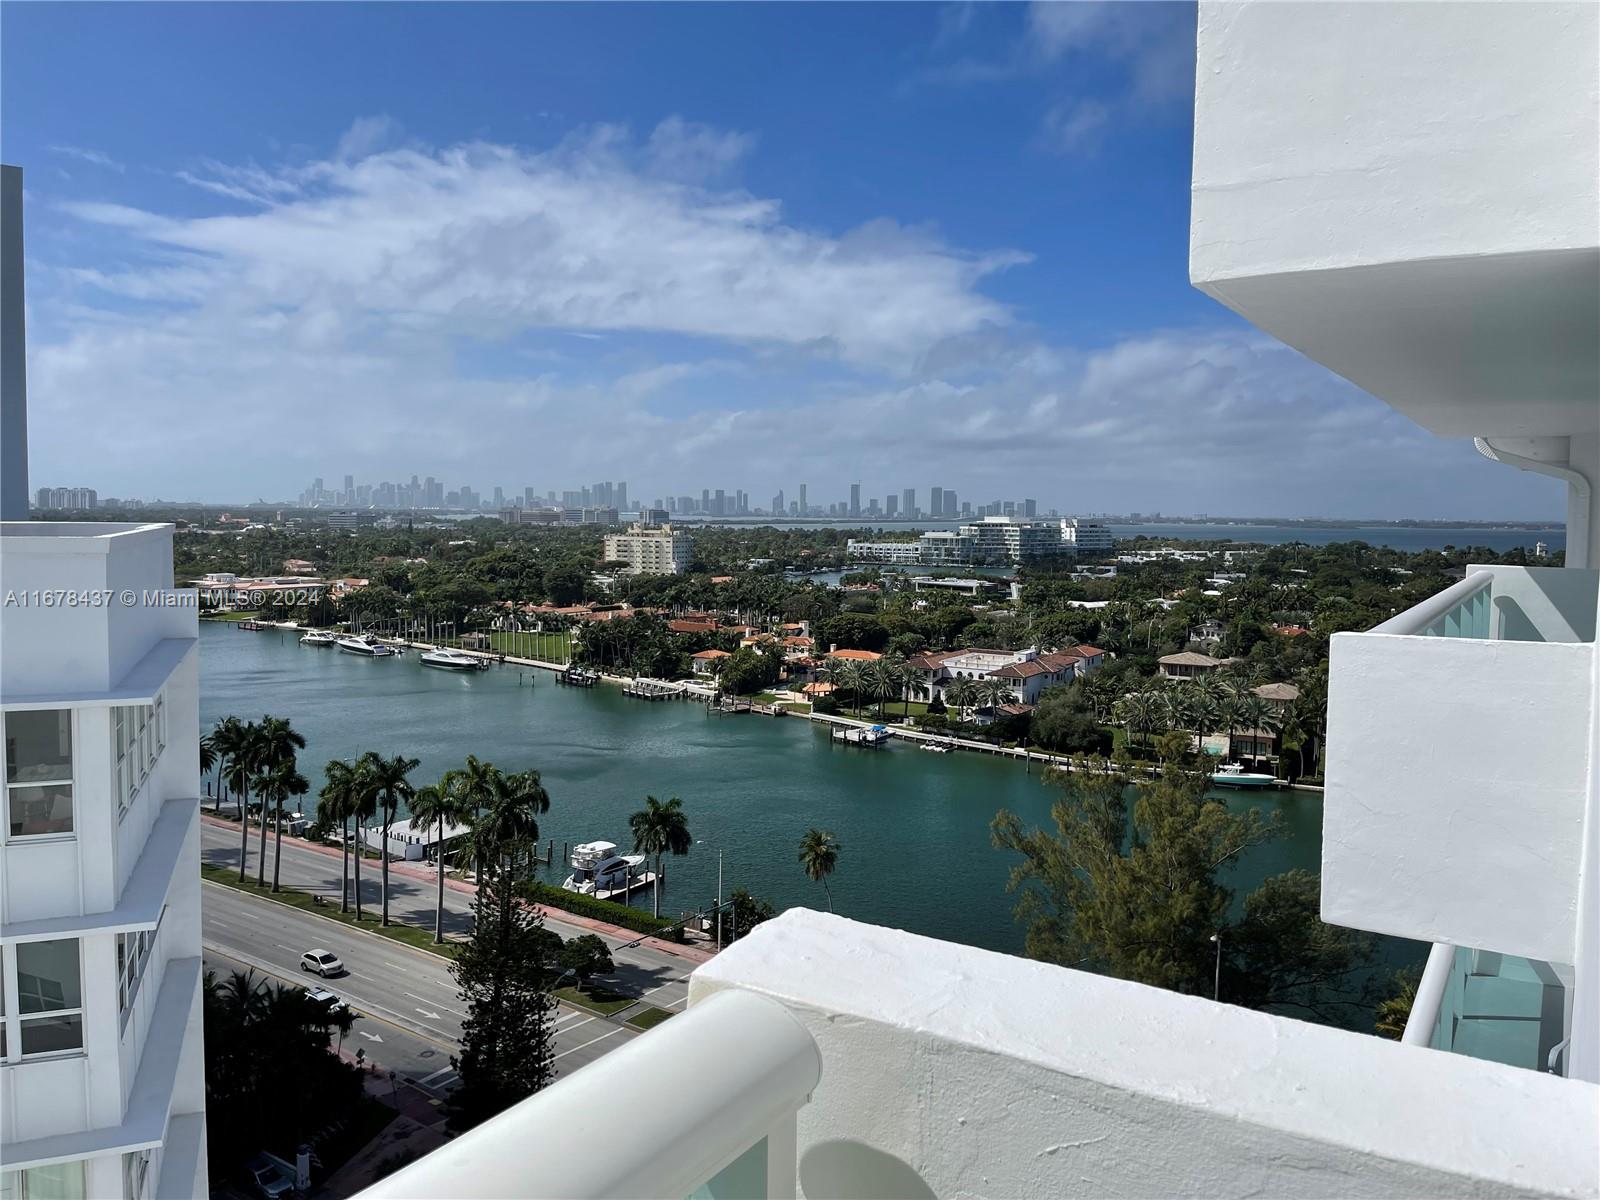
(683, 245)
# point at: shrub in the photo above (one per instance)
(604, 910)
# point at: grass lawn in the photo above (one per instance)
(796, 706)
(597, 999)
(649, 1017)
(421, 939)
(547, 647)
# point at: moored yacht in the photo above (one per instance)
(318, 637)
(598, 868)
(453, 660)
(1234, 775)
(361, 643)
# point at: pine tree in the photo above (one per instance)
(504, 973)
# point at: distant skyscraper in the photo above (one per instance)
(891, 505)
(621, 496)
(949, 503)
(908, 502)
(349, 487)
(855, 499)
(936, 502)
(802, 499)
(1030, 509)
(777, 503)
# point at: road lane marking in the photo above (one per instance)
(395, 966)
(590, 1042)
(426, 1080)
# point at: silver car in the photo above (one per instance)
(321, 962)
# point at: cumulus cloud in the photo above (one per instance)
(602, 309)
(596, 235)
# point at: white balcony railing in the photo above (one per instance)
(703, 1106)
(1492, 1006)
(1457, 765)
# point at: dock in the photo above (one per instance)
(652, 689)
(578, 677)
(647, 880)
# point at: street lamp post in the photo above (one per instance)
(719, 895)
(1216, 978)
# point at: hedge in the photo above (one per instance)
(605, 910)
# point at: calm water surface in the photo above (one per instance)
(914, 826)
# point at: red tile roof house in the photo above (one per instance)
(705, 662)
(1028, 672)
(692, 625)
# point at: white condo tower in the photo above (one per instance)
(102, 1073)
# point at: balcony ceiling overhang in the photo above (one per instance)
(1479, 345)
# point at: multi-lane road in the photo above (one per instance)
(412, 1012)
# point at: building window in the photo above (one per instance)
(135, 1170)
(38, 772)
(59, 1181)
(49, 1014)
(138, 735)
(133, 955)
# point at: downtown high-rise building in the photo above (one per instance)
(804, 511)
(936, 502)
(855, 499)
(908, 502)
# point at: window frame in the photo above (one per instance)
(131, 967)
(15, 1018)
(70, 782)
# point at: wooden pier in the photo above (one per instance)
(652, 689)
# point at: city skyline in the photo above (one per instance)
(317, 269)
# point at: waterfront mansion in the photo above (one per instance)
(1026, 672)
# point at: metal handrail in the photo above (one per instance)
(1418, 617)
(1424, 1018)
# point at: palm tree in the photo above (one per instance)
(242, 743)
(473, 784)
(819, 855)
(881, 680)
(851, 676)
(208, 758)
(337, 806)
(658, 829)
(274, 785)
(995, 692)
(963, 693)
(277, 743)
(509, 822)
(225, 738)
(439, 806)
(363, 807)
(385, 780)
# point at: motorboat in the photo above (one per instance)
(1234, 775)
(933, 747)
(454, 660)
(365, 644)
(318, 637)
(874, 736)
(597, 867)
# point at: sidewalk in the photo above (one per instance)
(410, 870)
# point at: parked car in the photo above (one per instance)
(268, 1179)
(325, 998)
(321, 962)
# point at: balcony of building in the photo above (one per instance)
(1458, 761)
(823, 1057)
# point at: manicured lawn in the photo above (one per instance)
(597, 999)
(421, 939)
(795, 706)
(649, 1017)
(547, 647)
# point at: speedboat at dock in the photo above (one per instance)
(364, 644)
(454, 660)
(1234, 775)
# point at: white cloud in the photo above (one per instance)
(83, 154)
(1073, 126)
(597, 235)
(366, 135)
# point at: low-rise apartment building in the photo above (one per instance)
(1086, 537)
(650, 549)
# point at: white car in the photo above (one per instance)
(322, 996)
(321, 962)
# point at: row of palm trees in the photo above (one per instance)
(259, 757)
(890, 678)
(1200, 706)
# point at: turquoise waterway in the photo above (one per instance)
(914, 826)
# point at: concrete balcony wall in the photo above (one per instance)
(950, 1071)
(1409, 193)
(1458, 772)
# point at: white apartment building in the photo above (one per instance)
(944, 548)
(1002, 540)
(1407, 194)
(102, 1075)
(1086, 537)
(650, 549)
(883, 552)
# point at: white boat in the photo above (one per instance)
(1234, 775)
(317, 637)
(597, 867)
(937, 747)
(454, 660)
(360, 643)
(876, 735)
